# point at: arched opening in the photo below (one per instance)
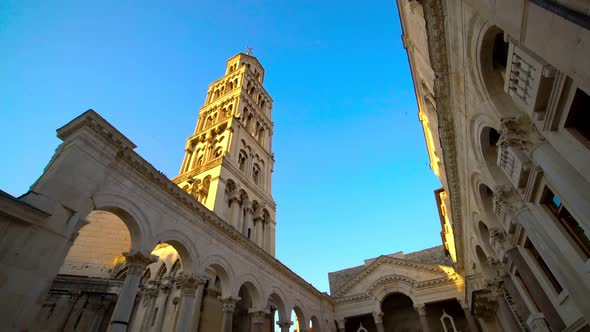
(486, 196)
(243, 318)
(488, 139)
(493, 57)
(242, 160)
(99, 247)
(484, 265)
(256, 173)
(399, 313)
(278, 311)
(484, 235)
(314, 324)
(298, 319)
(217, 287)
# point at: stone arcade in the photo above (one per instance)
(104, 241)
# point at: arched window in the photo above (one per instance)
(218, 152)
(242, 160)
(200, 160)
(261, 134)
(256, 173)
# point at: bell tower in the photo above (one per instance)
(228, 160)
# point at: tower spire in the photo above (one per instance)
(228, 160)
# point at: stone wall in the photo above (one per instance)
(97, 246)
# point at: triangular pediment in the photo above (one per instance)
(384, 266)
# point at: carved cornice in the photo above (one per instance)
(416, 285)
(434, 15)
(393, 261)
(198, 170)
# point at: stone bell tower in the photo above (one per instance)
(228, 160)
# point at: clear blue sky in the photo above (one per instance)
(351, 177)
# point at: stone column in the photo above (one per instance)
(378, 317)
(234, 210)
(187, 303)
(248, 219)
(341, 324)
(258, 225)
(229, 305)
(421, 309)
(137, 262)
(285, 325)
(273, 309)
(161, 302)
(257, 320)
(473, 327)
(201, 281)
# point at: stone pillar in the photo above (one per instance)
(201, 281)
(234, 210)
(421, 309)
(161, 302)
(285, 325)
(273, 309)
(341, 324)
(378, 317)
(137, 262)
(229, 305)
(187, 303)
(257, 320)
(473, 327)
(248, 219)
(258, 226)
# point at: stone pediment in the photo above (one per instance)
(385, 267)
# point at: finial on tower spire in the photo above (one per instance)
(249, 50)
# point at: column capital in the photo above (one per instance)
(257, 315)
(229, 303)
(378, 317)
(420, 308)
(284, 323)
(137, 261)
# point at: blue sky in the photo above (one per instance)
(351, 177)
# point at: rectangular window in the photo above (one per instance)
(568, 223)
(541, 262)
(578, 118)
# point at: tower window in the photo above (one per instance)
(218, 152)
(578, 118)
(241, 161)
(256, 173)
(568, 223)
(249, 232)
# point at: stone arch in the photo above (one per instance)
(135, 219)
(183, 245)
(484, 265)
(223, 271)
(254, 288)
(299, 310)
(394, 283)
(276, 298)
(486, 201)
(315, 323)
(489, 74)
(483, 232)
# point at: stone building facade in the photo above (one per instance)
(104, 241)
(502, 89)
